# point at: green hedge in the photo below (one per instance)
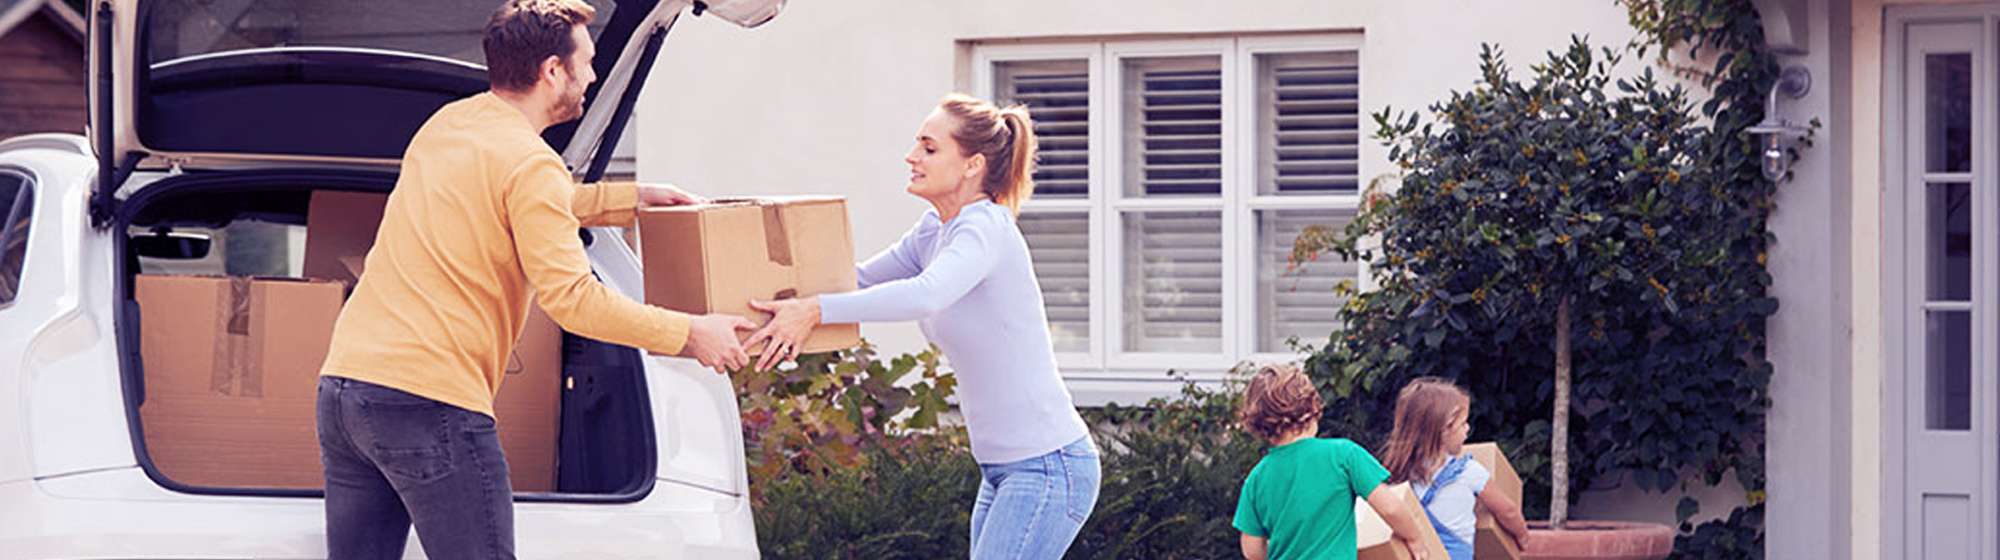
(1171, 474)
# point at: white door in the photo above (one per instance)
(1940, 258)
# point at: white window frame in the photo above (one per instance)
(1248, 49)
(987, 59)
(1108, 371)
(1148, 365)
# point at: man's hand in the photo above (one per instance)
(712, 341)
(663, 194)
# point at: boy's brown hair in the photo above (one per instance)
(1424, 410)
(1280, 401)
(523, 33)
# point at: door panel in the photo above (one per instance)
(1943, 299)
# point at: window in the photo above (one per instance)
(17, 207)
(1174, 176)
(243, 247)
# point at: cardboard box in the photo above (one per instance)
(232, 373)
(1376, 541)
(1490, 541)
(528, 409)
(715, 258)
(341, 228)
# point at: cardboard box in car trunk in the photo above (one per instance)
(1489, 540)
(340, 228)
(529, 406)
(231, 375)
(1376, 541)
(715, 258)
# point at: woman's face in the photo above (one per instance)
(938, 171)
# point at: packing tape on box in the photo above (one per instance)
(777, 244)
(237, 358)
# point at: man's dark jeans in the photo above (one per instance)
(393, 458)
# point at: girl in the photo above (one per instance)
(963, 274)
(1426, 449)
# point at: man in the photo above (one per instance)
(483, 215)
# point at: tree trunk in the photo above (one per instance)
(1559, 437)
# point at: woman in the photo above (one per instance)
(963, 273)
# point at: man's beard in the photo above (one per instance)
(569, 106)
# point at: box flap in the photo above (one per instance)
(341, 225)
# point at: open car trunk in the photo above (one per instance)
(246, 113)
(222, 350)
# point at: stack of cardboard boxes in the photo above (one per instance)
(231, 364)
(231, 369)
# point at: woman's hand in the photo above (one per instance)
(791, 320)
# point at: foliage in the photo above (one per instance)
(1741, 535)
(1570, 186)
(913, 501)
(1171, 474)
(823, 414)
(1173, 470)
(1680, 394)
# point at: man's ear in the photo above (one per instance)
(552, 68)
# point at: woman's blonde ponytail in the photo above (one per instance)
(1006, 137)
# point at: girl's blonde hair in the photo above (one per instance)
(1280, 401)
(1424, 411)
(1006, 136)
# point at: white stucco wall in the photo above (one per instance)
(826, 98)
(1806, 465)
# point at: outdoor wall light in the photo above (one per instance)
(1777, 133)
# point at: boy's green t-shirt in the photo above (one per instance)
(1301, 497)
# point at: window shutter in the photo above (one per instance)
(1174, 126)
(1059, 246)
(1310, 123)
(1173, 282)
(1057, 94)
(1299, 302)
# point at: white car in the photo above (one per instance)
(218, 119)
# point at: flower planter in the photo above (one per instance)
(1599, 540)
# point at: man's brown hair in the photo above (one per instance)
(1279, 401)
(523, 33)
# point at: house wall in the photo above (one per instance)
(826, 98)
(41, 79)
(1806, 468)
